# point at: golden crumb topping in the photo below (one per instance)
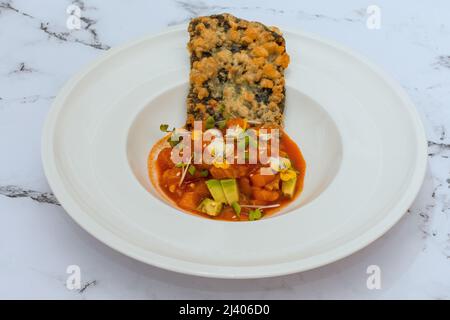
(237, 70)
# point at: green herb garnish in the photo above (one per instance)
(164, 127)
(221, 124)
(252, 141)
(254, 214)
(192, 170)
(242, 142)
(204, 173)
(210, 122)
(174, 139)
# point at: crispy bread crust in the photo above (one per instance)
(237, 70)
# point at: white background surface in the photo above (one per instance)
(38, 53)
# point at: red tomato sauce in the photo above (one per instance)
(254, 189)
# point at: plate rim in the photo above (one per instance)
(227, 272)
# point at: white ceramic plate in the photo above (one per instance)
(361, 137)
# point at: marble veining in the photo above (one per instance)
(22, 68)
(443, 61)
(38, 240)
(18, 192)
(196, 8)
(88, 25)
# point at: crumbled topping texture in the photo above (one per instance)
(237, 70)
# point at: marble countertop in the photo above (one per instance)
(40, 51)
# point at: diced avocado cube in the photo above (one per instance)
(288, 187)
(215, 188)
(237, 208)
(210, 207)
(230, 189)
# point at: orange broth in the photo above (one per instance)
(166, 176)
